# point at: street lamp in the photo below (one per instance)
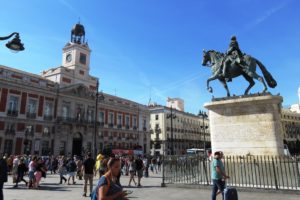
(15, 44)
(99, 97)
(203, 115)
(171, 116)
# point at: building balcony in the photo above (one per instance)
(110, 137)
(11, 132)
(12, 113)
(127, 127)
(134, 128)
(30, 115)
(48, 117)
(110, 125)
(46, 134)
(119, 126)
(65, 119)
(144, 129)
(101, 124)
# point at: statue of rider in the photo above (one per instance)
(233, 55)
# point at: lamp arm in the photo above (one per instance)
(9, 36)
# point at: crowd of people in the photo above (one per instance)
(31, 169)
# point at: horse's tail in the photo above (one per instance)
(268, 77)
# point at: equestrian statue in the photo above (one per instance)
(234, 63)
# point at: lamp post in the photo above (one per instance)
(15, 44)
(99, 97)
(171, 116)
(163, 184)
(203, 115)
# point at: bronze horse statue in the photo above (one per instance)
(216, 60)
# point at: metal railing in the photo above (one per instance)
(265, 172)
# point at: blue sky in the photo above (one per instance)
(143, 48)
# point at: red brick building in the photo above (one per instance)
(55, 112)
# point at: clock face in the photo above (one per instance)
(69, 57)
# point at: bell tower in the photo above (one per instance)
(76, 53)
(75, 68)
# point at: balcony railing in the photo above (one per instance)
(110, 125)
(13, 113)
(101, 124)
(127, 127)
(75, 120)
(31, 115)
(134, 128)
(48, 117)
(10, 132)
(144, 129)
(119, 126)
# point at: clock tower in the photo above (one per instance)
(75, 66)
(76, 53)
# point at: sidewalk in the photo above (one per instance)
(151, 190)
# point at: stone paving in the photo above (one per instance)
(151, 190)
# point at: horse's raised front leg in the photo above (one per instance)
(214, 77)
(223, 81)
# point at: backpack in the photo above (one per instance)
(95, 191)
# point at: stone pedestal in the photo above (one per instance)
(246, 125)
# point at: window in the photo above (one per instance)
(127, 120)
(101, 117)
(90, 115)
(82, 58)
(31, 107)
(65, 111)
(144, 123)
(8, 145)
(134, 122)
(62, 148)
(48, 109)
(111, 118)
(156, 117)
(46, 131)
(45, 148)
(13, 105)
(119, 120)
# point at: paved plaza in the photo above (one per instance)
(50, 189)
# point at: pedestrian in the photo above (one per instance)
(218, 175)
(159, 164)
(15, 169)
(3, 175)
(62, 169)
(103, 167)
(154, 164)
(72, 168)
(40, 170)
(31, 171)
(107, 188)
(9, 162)
(78, 162)
(139, 168)
(88, 168)
(22, 169)
(132, 170)
(146, 167)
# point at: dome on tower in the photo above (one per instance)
(78, 34)
(78, 30)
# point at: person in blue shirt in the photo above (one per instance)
(107, 187)
(218, 175)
